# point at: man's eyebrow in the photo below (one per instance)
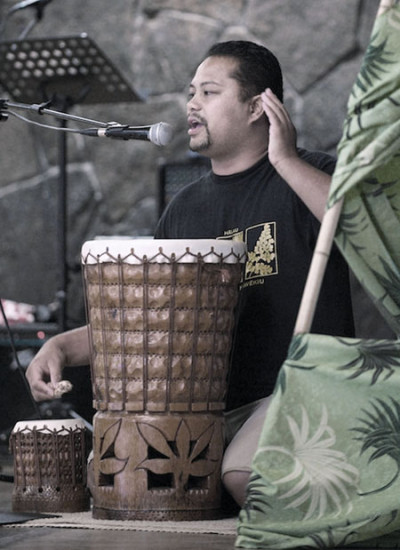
(206, 83)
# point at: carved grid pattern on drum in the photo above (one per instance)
(50, 470)
(37, 457)
(160, 334)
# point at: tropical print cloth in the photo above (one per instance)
(327, 469)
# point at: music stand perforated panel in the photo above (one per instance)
(37, 69)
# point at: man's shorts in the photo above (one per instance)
(243, 429)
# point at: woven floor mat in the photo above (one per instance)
(84, 520)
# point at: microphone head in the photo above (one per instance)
(161, 133)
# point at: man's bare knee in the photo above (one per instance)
(235, 482)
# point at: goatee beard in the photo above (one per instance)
(203, 145)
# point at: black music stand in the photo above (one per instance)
(61, 72)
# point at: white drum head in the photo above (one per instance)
(136, 251)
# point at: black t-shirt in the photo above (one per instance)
(258, 207)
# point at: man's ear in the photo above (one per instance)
(256, 108)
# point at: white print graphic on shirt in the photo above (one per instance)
(261, 246)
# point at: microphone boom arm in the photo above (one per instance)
(158, 134)
(42, 109)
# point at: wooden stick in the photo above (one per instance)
(317, 269)
(384, 5)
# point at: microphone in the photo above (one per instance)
(29, 4)
(159, 134)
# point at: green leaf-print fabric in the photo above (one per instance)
(327, 469)
(367, 175)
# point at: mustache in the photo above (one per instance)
(197, 119)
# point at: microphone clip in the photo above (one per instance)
(39, 108)
(3, 110)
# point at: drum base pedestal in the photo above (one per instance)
(160, 467)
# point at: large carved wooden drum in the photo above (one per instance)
(49, 466)
(161, 316)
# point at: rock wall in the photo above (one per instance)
(112, 186)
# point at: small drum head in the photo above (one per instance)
(61, 426)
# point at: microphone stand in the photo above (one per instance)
(80, 57)
(61, 294)
(31, 24)
(77, 57)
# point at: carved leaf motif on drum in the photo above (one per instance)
(110, 464)
(183, 458)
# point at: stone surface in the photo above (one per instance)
(304, 35)
(324, 104)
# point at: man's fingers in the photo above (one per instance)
(274, 107)
(42, 391)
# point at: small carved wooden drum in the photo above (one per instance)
(49, 466)
(161, 317)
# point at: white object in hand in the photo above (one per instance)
(64, 386)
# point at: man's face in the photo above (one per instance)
(217, 118)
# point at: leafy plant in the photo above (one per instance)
(373, 64)
(255, 497)
(377, 357)
(321, 475)
(380, 433)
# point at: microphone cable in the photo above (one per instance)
(5, 477)
(17, 361)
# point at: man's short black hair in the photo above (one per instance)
(257, 68)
